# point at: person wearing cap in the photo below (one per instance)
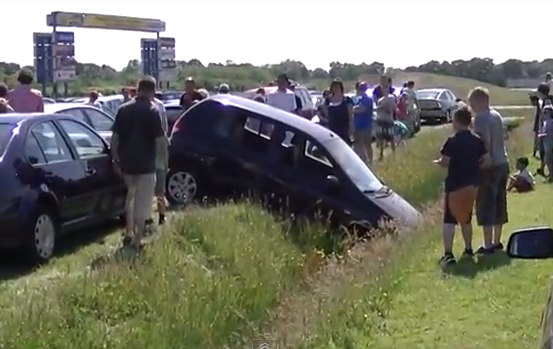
(362, 123)
(549, 80)
(190, 95)
(93, 100)
(224, 89)
(283, 98)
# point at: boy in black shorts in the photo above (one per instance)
(463, 154)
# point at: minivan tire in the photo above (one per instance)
(177, 175)
(40, 237)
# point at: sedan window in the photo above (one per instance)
(86, 142)
(51, 142)
(100, 122)
(76, 113)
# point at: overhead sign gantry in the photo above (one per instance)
(54, 56)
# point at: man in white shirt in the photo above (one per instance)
(93, 100)
(283, 98)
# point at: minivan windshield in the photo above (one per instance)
(353, 166)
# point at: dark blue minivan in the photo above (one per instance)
(230, 143)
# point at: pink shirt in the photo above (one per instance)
(25, 99)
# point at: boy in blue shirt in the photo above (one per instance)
(362, 123)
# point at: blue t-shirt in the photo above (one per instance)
(364, 120)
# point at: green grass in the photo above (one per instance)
(399, 297)
(217, 278)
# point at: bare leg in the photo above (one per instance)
(381, 148)
(466, 230)
(161, 208)
(448, 236)
(497, 231)
(488, 236)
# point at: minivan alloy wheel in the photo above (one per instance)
(182, 186)
(44, 236)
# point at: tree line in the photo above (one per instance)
(244, 75)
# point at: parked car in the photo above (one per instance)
(174, 111)
(228, 143)
(99, 120)
(536, 243)
(436, 104)
(165, 96)
(57, 177)
(308, 108)
(110, 104)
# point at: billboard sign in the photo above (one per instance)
(43, 63)
(167, 63)
(148, 55)
(63, 53)
(98, 21)
(64, 37)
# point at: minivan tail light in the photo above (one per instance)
(179, 125)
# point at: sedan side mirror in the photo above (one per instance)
(531, 243)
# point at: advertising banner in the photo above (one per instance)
(98, 21)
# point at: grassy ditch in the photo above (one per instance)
(209, 281)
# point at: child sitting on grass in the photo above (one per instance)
(463, 154)
(522, 181)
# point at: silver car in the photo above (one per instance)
(436, 104)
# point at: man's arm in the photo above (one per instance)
(480, 127)
(445, 153)
(162, 144)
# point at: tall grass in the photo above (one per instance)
(212, 278)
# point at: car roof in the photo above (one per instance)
(172, 103)
(270, 89)
(436, 90)
(110, 98)
(57, 107)
(316, 131)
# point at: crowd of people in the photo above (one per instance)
(475, 156)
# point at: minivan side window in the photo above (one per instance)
(100, 122)
(33, 152)
(50, 141)
(252, 131)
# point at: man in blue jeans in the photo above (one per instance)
(362, 123)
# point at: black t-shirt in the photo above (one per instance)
(465, 150)
(137, 124)
(186, 101)
(338, 117)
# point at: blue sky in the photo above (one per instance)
(395, 33)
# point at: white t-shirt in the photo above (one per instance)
(283, 100)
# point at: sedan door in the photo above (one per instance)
(55, 169)
(105, 188)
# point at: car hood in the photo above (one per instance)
(397, 208)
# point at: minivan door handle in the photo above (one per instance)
(90, 171)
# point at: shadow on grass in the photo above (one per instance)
(13, 264)
(470, 267)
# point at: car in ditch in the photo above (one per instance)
(436, 104)
(57, 177)
(233, 144)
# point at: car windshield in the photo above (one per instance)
(6, 131)
(427, 94)
(353, 166)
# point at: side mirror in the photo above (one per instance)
(333, 182)
(532, 243)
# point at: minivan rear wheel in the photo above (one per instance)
(182, 186)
